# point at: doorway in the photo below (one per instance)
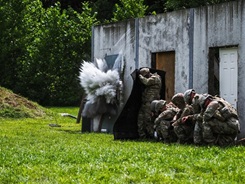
(213, 72)
(166, 61)
(223, 73)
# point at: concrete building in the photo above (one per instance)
(199, 48)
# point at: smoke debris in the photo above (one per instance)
(101, 86)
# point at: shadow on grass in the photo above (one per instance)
(138, 140)
(70, 131)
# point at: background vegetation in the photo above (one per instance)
(42, 49)
(31, 151)
(43, 43)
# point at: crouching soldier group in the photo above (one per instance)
(192, 118)
(200, 119)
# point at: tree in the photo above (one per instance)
(180, 4)
(51, 45)
(104, 9)
(129, 9)
(10, 40)
(155, 6)
(58, 46)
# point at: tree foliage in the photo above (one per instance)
(10, 41)
(129, 9)
(105, 8)
(48, 46)
(180, 4)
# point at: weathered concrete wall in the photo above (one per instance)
(190, 33)
(200, 51)
(214, 26)
(219, 26)
(241, 71)
(113, 39)
(166, 32)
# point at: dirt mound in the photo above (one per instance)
(15, 106)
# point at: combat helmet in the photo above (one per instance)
(200, 99)
(178, 100)
(153, 105)
(205, 100)
(187, 95)
(160, 104)
(144, 71)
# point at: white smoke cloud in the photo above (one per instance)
(101, 86)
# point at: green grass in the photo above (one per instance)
(33, 152)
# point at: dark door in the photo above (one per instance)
(126, 126)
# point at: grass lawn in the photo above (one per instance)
(33, 152)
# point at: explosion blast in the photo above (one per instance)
(101, 86)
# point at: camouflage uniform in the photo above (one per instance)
(197, 119)
(163, 124)
(184, 131)
(220, 122)
(151, 92)
(190, 97)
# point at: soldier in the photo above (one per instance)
(220, 121)
(154, 115)
(163, 123)
(154, 111)
(153, 84)
(196, 117)
(183, 130)
(189, 95)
